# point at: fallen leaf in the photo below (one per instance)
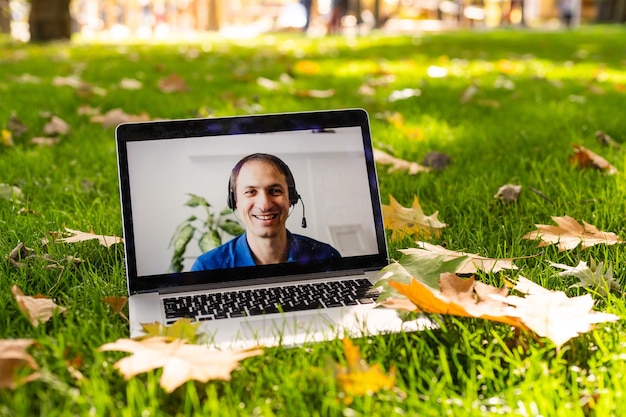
(592, 276)
(173, 83)
(16, 126)
(11, 193)
(38, 309)
(508, 192)
(569, 234)
(14, 357)
(268, 84)
(183, 328)
(358, 378)
(584, 158)
(469, 93)
(410, 221)
(130, 84)
(472, 263)
(436, 160)
(552, 314)
(19, 253)
(307, 67)
(316, 93)
(404, 94)
(44, 141)
(180, 361)
(117, 304)
(115, 117)
(79, 236)
(56, 126)
(549, 314)
(398, 164)
(606, 140)
(6, 138)
(458, 297)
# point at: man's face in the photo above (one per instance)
(262, 199)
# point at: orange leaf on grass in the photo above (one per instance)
(38, 308)
(458, 297)
(116, 116)
(584, 158)
(569, 234)
(173, 83)
(398, 164)
(181, 362)
(359, 378)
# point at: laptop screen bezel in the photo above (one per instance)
(265, 123)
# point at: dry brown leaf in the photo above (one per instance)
(116, 303)
(116, 116)
(56, 126)
(316, 93)
(508, 192)
(44, 141)
(410, 221)
(358, 378)
(552, 314)
(13, 356)
(606, 140)
(472, 264)
(547, 313)
(130, 84)
(173, 83)
(181, 362)
(569, 234)
(584, 158)
(79, 236)
(38, 309)
(398, 164)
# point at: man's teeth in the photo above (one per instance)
(267, 217)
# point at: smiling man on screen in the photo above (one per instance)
(261, 191)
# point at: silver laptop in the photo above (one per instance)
(207, 202)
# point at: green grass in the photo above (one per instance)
(566, 86)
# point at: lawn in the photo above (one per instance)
(506, 106)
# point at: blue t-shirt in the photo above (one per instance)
(236, 252)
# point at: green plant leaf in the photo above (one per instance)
(184, 236)
(196, 201)
(209, 240)
(232, 227)
(426, 270)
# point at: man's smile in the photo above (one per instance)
(265, 216)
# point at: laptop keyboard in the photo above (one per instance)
(254, 302)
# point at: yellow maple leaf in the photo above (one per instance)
(79, 236)
(181, 362)
(182, 328)
(410, 221)
(358, 378)
(569, 234)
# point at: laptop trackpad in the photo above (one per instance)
(286, 326)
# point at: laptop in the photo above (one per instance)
(167, 167)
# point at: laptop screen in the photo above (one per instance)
(175, 190)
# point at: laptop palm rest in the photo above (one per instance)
(283, 327)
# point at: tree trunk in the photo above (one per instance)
(5, 17)
(49, 20)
